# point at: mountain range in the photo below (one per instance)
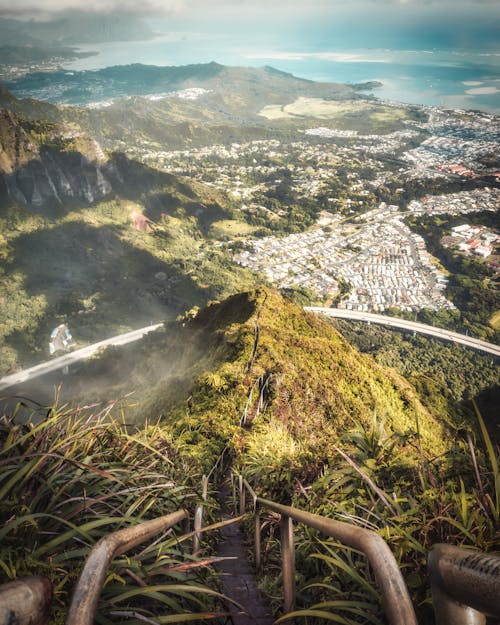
(73, 27)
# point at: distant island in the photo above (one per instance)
(366, 86)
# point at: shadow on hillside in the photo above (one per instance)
(97, 282)
(60, 181)
(488, 402)
(163, 368)
(165, 194)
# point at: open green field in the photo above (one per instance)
(495, 320)
(228, 228)
(319, 108)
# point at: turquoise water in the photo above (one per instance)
(443, 78)
(448, 63)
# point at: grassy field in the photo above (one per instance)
(229, 228)
(495, 320)
(319, 108)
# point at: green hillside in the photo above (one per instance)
(302, 414)
(231, 107)
(208, 370)
(99, 241)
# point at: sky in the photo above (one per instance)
(294, 7)
(403, 24)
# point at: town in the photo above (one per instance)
(361, 187)
(469, 239)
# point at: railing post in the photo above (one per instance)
(256, 524)
(288, 562)
(26, 601)
(242, 494)
(233, 491)
(198, 517)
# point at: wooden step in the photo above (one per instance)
(239, 582)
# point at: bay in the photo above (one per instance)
(448, 78)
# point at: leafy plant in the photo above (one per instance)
(69, 480)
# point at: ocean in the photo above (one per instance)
(450, 78)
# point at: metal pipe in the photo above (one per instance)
(450, 612)
(26, 601)
(465, 584)
(288, 562)
(198, 524)
(198, 517)
(250, 490)
(257, 538)
(242, 494)
(395, 596)
(93, 575)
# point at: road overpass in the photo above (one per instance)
(71, 358)
(78, 355)
(412, 326)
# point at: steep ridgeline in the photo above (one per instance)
(260, 361)
(42, 163)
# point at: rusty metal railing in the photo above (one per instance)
(395, 596)
(465, 585)
(25, 601)
(93, 575)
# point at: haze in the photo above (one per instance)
(403, 24)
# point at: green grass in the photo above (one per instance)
(77, 476)
(229, 228)
(410, 505)
(495, 321)
(91, 269)
(325, 428)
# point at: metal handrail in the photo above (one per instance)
(395, 596)
(93, 575)
(26, 601)
(198, 517)
(465, 585)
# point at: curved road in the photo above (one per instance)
(68, 359)
(84, 353)
(413, 326)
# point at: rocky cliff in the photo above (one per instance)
(42, 163)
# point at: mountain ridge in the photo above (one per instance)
(258, 358)
(262, 85)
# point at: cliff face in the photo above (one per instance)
(42, 164)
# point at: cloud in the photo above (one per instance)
(47, 7)
(190, 7)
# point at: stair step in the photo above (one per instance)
(238, 580)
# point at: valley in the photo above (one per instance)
(214, 203)
(319, 201)
(306, 399)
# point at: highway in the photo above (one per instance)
(72, 357)
(413, 326)
(82, 354)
